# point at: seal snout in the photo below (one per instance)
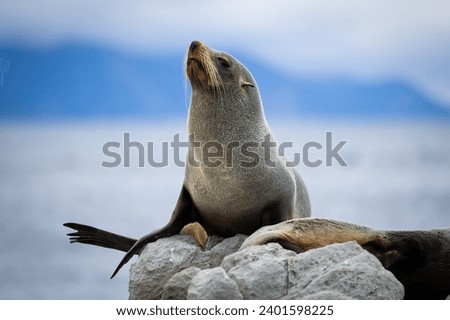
(199, 66)
(194, 45)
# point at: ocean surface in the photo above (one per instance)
(397, 177)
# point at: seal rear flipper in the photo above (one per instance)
(183, 214)
(90, 235)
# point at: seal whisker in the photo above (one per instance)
(185, 80)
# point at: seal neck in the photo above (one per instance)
(227, 117)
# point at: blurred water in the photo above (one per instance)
(398, 177)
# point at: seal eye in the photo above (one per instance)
(223, 62)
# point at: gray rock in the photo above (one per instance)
(177, 286)
(326, 295)
(343, 271)
(176, 268)
(260, 271)
(157, 263)
(213, 284)
(211, 258)
(161, 260)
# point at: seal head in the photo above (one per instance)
(213, 71)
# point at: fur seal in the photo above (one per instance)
(420, 260)
(232, 196)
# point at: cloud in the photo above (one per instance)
(370, 40)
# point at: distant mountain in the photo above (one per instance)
(342, 97)
(75, 81)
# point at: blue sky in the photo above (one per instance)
(368, 41)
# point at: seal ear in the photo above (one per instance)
(245, 83)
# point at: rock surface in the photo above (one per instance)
(176, 268)
(177, 286)
(211, 284)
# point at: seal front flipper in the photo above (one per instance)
(90, 235)
(196, 231)
(183, 214)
